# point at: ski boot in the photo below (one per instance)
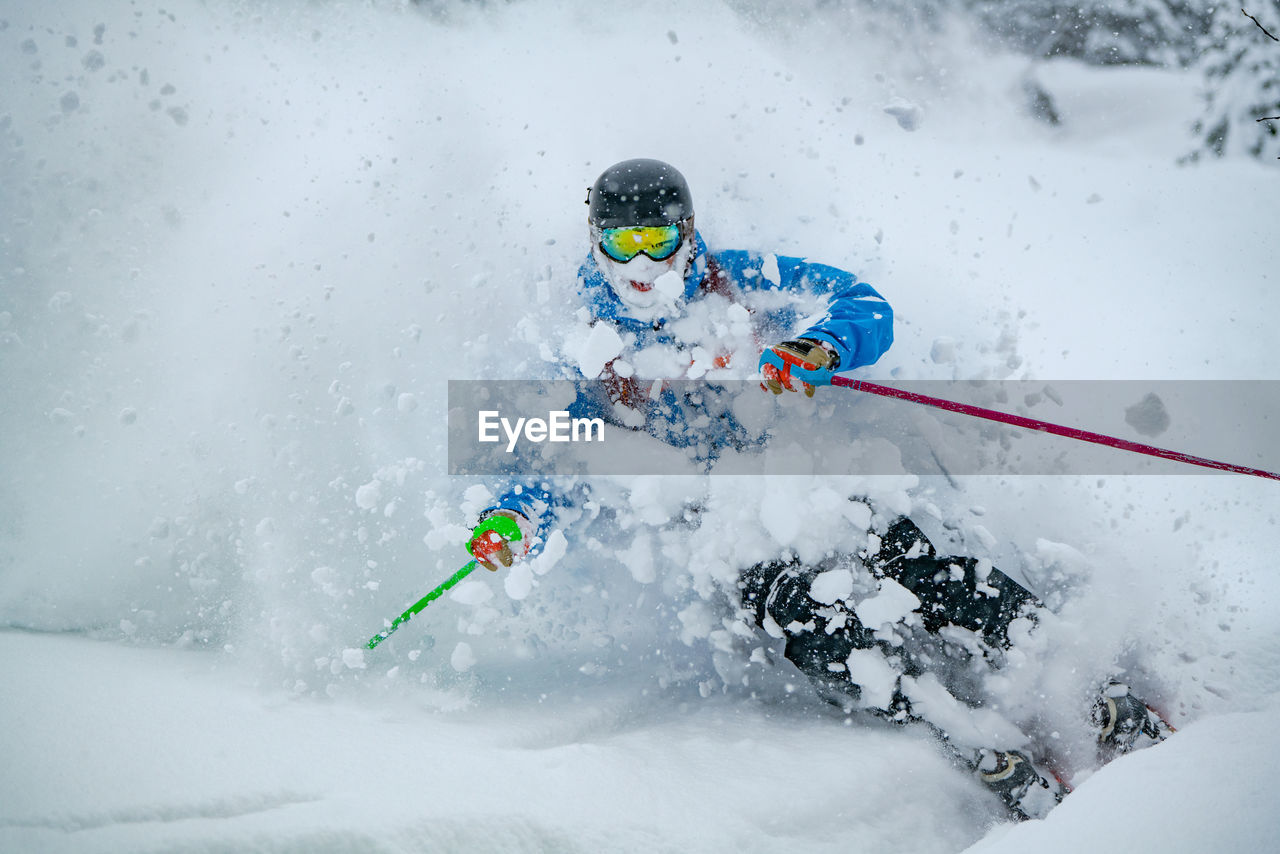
(1025, 790)
(1125, 723)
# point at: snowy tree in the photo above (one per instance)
(1100, 32)
(1242, 87)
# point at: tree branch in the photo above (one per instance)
(1264, 29)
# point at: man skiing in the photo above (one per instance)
(648, 273)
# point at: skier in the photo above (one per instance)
(648, 270)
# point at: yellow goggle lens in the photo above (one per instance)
(659, 242)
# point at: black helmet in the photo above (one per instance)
(639, 192)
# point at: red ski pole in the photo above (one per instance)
(1047, 427)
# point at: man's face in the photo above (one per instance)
(650, 289)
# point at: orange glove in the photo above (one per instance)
(812, 362)
(498, 538)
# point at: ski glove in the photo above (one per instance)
(810, 361)
(501, 535)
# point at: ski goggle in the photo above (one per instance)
(659, 242)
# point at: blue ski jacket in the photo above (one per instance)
(857, 323)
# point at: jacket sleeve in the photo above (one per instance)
(858, 322)
(536, 503)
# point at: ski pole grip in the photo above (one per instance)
(790, 366)
(499, 523)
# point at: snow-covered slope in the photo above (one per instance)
(160, 751)
(1206, 790)
(241, 249)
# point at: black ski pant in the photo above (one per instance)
(953, 592)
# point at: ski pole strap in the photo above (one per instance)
(1047, 427)
(421, 603)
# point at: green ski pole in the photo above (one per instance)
(421, 603)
